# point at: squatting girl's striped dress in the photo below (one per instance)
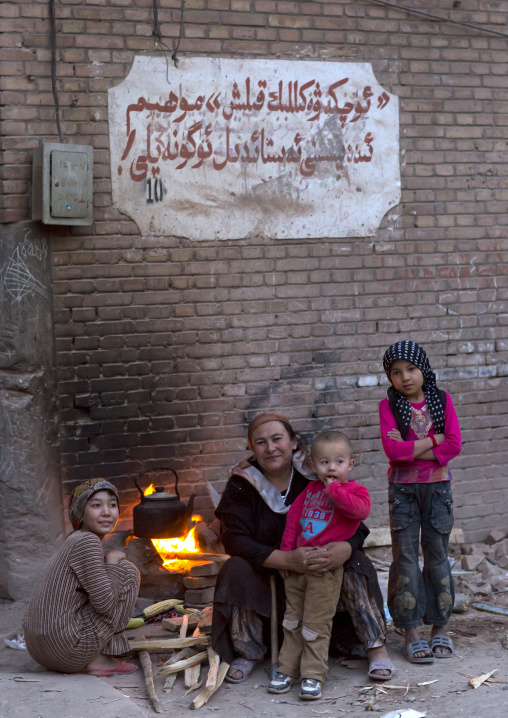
(80, 606)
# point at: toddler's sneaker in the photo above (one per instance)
(310, 690)
(281, 683)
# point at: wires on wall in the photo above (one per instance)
(52, 35)
(174, 55)
(157, 36)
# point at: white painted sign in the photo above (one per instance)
(231, 148)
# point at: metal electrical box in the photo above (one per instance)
(62, 184)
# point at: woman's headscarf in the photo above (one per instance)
(399, 404)
(83, 493)
(269, 494)
(264, 419)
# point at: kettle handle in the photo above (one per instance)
(157, 468)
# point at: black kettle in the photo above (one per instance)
(161, 515)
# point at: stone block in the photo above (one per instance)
(489, 570)
(474, 548)
(495, 536)
(502, 548)
(484, 589)
(199, 581)
(471, 563)
(200, 596)
(208, 568)
(499, 583)
(205, 619)
(503, 562)
(174, 624)
(207, 539)
(157, 582)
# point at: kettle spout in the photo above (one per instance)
(190, 506)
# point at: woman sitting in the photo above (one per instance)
(83, 600)
(252, 512)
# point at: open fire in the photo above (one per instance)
(168, 547)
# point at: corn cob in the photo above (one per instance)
(160, 607)
(135, 623)
(187, 611)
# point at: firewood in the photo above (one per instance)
(167, 644)
(146, 663)
(170, 682)
(183, 627)
(180, 655)
(477, 681)
(182, 665)
(214, 661)
(185, 556)
(206, 693)
(193, 688)
(191, 675)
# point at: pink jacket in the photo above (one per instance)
(403, 469)
(323, 515)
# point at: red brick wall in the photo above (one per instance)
(166, 346)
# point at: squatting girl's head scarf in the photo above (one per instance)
(82, 494)
(399, 405)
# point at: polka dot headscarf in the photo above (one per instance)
(435, 398)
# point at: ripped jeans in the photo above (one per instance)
(311, 602)
(415, 596)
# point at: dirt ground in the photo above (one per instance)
(28, 691)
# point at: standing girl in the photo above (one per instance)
(420, 434)
(83, 599)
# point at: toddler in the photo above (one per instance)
(420, 434)
(330, 509)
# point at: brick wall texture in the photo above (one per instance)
(166, 347)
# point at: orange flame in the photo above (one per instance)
(149, 490)
(168, 547)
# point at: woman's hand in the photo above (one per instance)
(114, 557)
(394, 435)
(329, 557)
(310, 559)
(295, 560)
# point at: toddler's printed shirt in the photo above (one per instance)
(323, 515)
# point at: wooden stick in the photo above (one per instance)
(170, 682)
(185, 556)
(193, 688)
(167, 643)
(146, 663)
(183, 627)
(480, 680)
(182, 665)
(274, 632)
(180, 655)
(214, 661)
(206, 693)
(191, 675)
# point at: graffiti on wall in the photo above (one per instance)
(18, 273)
(236, 148)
